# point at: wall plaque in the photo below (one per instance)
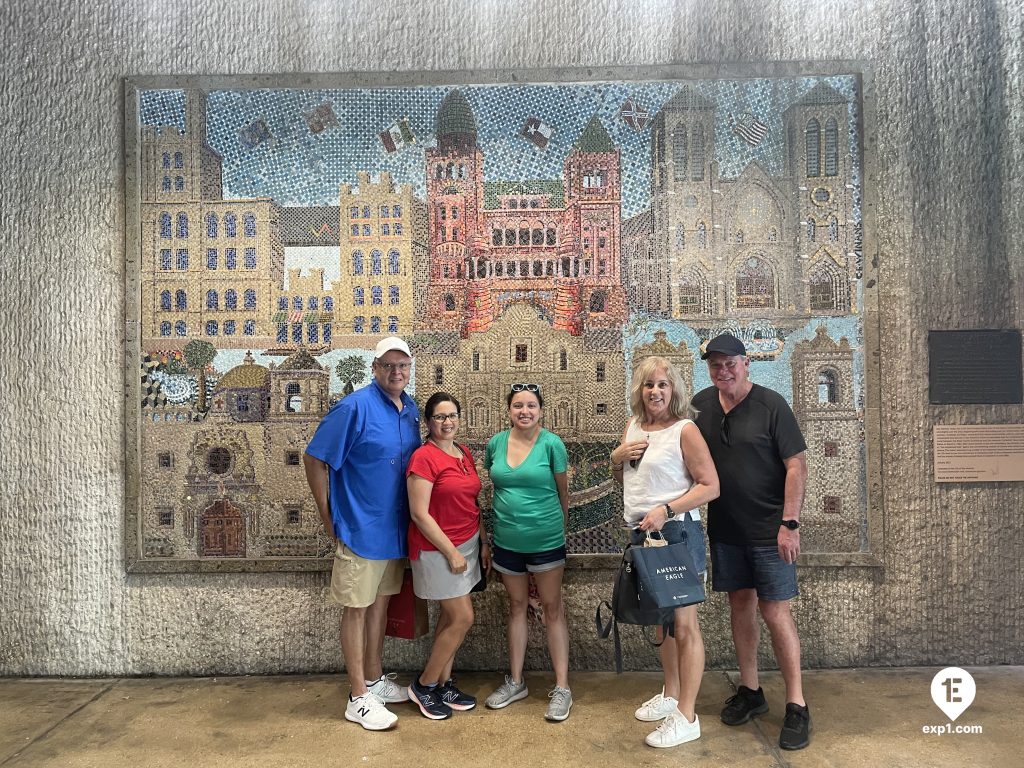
(979, 453)
(976, 367)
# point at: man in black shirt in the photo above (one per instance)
(753, 526)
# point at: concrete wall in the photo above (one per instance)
(949, 169)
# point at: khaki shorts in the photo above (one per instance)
(356, 582)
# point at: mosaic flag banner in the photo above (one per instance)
(277, 233)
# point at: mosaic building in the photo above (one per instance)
(209, 266)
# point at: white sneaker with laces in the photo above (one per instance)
(674, 730)
(387, 690)
(656, 708)
(369, 712)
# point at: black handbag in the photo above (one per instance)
(669, 577)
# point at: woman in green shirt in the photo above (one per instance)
(528, 465)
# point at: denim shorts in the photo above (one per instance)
(686, 529)
(738, 566)
(519, 563)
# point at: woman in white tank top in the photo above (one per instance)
(667, 473)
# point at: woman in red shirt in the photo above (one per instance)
(447, 545)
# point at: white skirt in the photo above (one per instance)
(432, 579)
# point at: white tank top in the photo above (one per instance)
(659, 477)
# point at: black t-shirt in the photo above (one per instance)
(748, 446)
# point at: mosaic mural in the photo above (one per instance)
(552, 233)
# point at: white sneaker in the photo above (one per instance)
(656, 708)
(370, 712)
(674, 730)
(387, 690)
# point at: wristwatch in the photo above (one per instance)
(791, 524)
(668, 512)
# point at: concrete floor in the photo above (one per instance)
(862, 717)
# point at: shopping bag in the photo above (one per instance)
(407, 614)
(667, 577)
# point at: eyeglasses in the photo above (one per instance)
(520, 387)
(394, 366)
(441, 418)
(634, 463)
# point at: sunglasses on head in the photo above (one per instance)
(520, 387)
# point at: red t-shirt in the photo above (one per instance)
(452, 499)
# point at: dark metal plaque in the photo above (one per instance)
(975, 367)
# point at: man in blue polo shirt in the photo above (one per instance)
(355, 466)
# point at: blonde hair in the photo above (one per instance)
(679, 404)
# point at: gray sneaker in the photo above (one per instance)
(507, 692)
(561, 703)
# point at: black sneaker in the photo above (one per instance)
(744, 705)
(455, 698)
(429, 701)
(796, 728)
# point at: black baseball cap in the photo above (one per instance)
(725, 344)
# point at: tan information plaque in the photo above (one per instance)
(979, 453)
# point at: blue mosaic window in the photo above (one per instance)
(167, 160)
(357, 323)
(282, 303)
(250, 298)
(393, 294)
(297, 333)
(165, 225)
(250, 258)
(327, 333)
(165, 259)
(374, 324)
(680, 150)
(282, 333)
(397, 228)
(328, 304)
(812, 138)
(392, 324)
(230, 299)
(230, 225)
(211, 225)
(165, 328)
(180, 300)
(166, 185)
(181, 258)
(231, 258)
(376, 295)
(179, 160)
(313, 331)
(211, 328)
(182, 228)
(831, 147)
(229, 327)
(375, 262)
(250, 225)
(211, 258)
(179, 328)
(211, 300)
(249, 328)
(179, 183)
(296, 302)
(165, 301)
(357, 263)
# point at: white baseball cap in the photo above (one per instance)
(388, 344)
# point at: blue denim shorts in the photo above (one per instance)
(738, 566)
(686, 529)
(519, 563)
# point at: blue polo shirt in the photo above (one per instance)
(367, 442)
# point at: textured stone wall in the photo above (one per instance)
(947, 178)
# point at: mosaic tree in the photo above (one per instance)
(351, 370)
(198, 355)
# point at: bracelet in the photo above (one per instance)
(616, 467)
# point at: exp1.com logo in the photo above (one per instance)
(953, 692)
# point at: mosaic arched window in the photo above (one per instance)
(702, 235)
(755, 284)
(249, 328)
(393, 262)
(249, 225)
(211, 225)
(165, 301)
(392, 324)
(179, 160)
(327, 333)
(250, 298)
(165, 328)
(357, 296)
(313, 302)
(598, 301)
(211, 300)
(392, 294)
(694, 294)
(211, 327)
(181, 258)
(375, 262)
(833, 230)
(297, 303)
(697, 154)
(165, 186)
(179, 183)
(167, 160)
(680, 153)
(376, 295)
(831, 147)
(182, 229)
(357, 263)
(282, 303)
(229, 327)
(375, 324)
(828, 387)
(812, 145)
(230, 299)
(165, 225)
(179, 328)
(328, 304)
(449, 303)
(230, 225)
(827, 292)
